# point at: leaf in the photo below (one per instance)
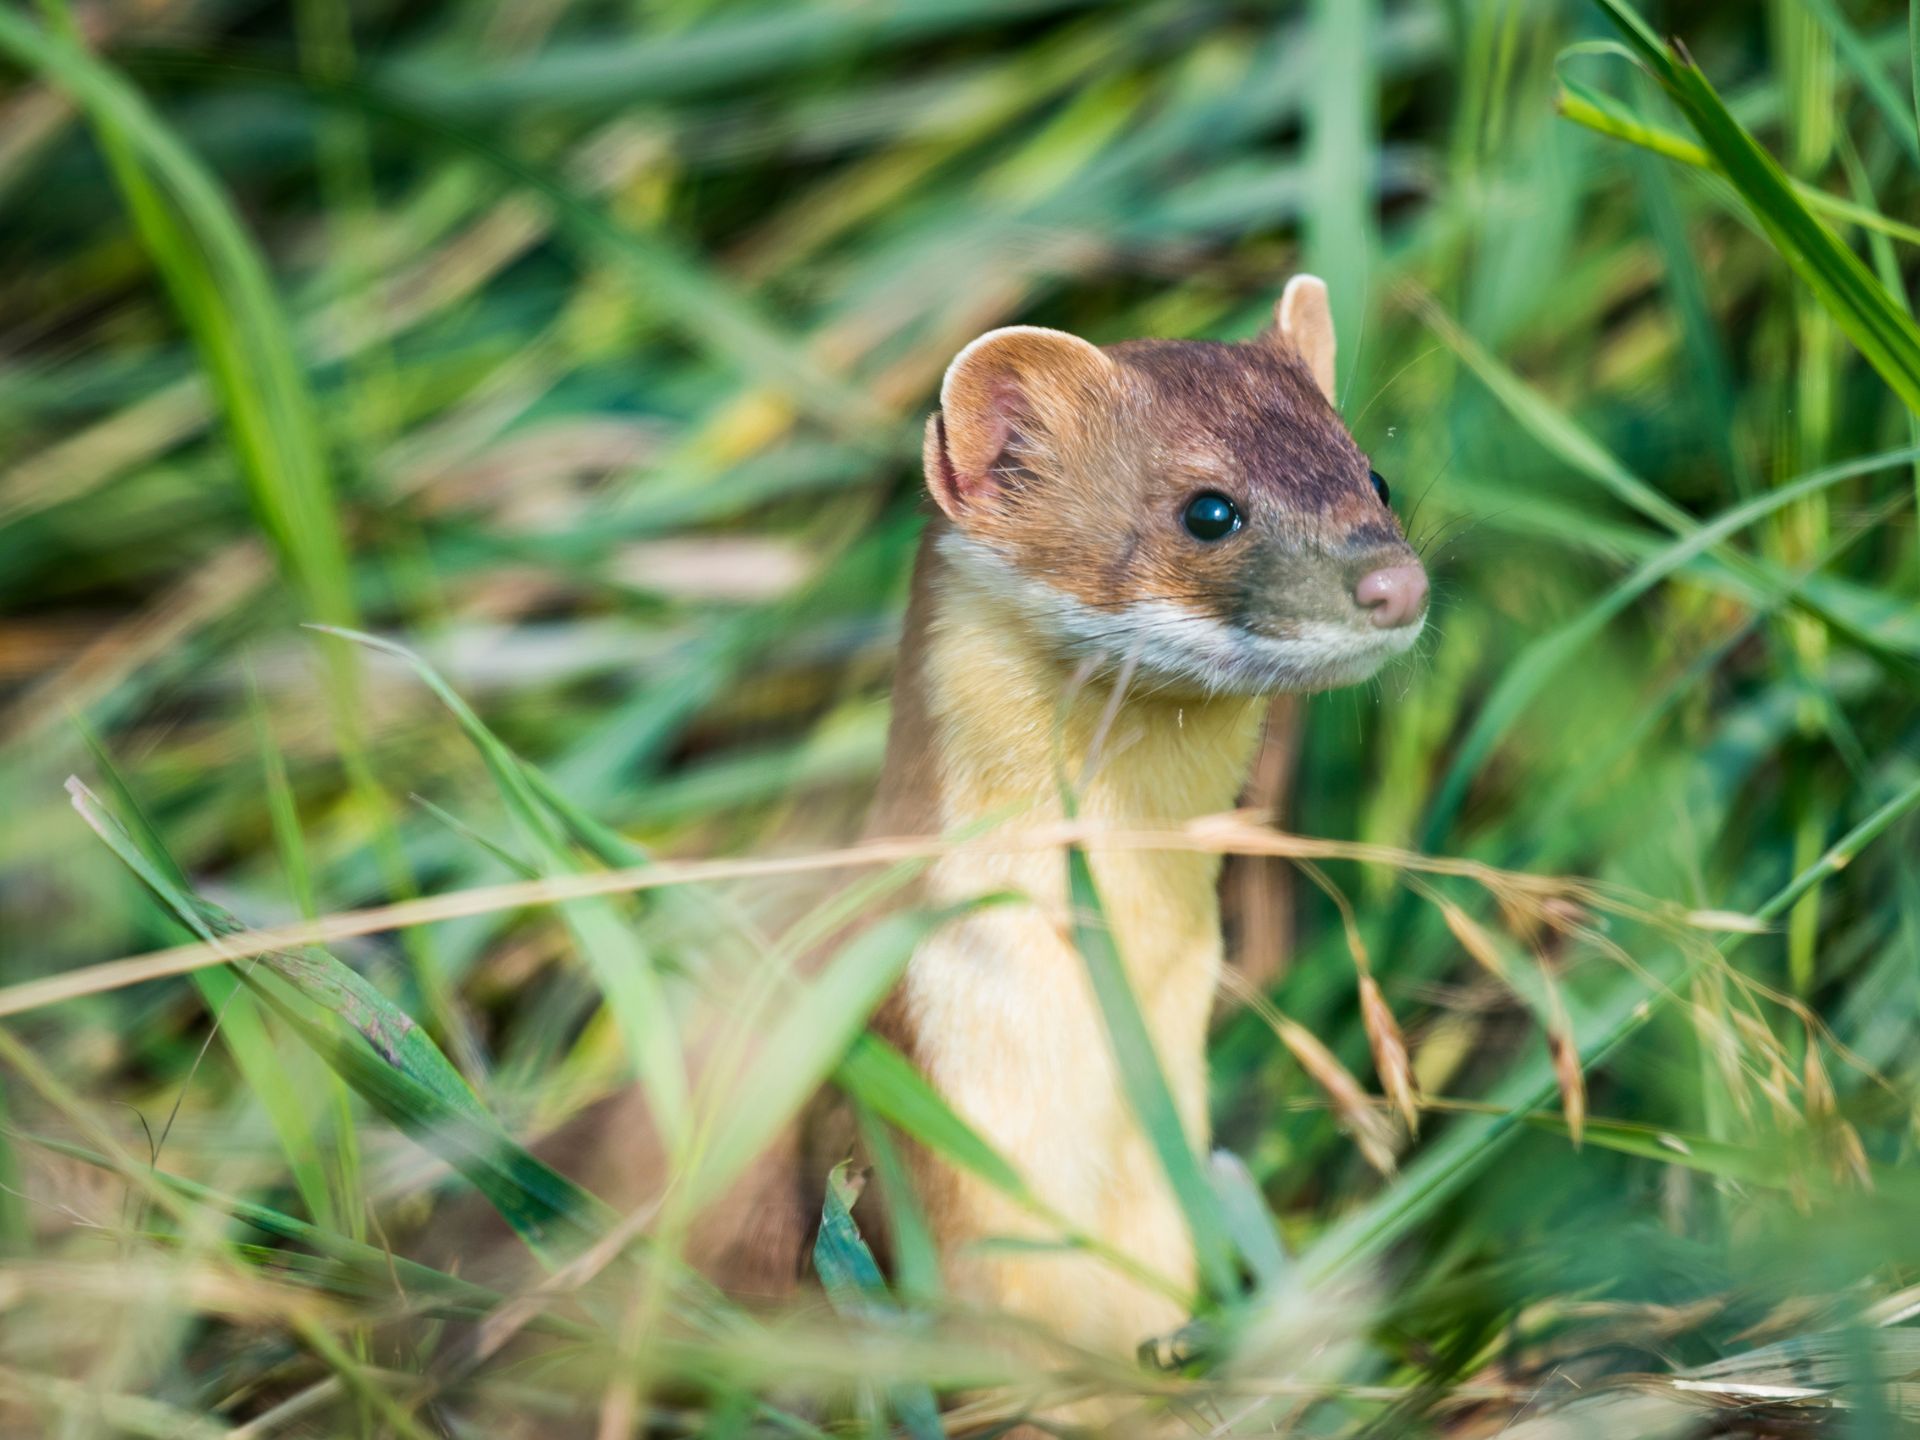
(225, 296)
(1884, 334)
(386, 1058)
(605, 942)
(1467, 1147)
(553, 1215)
(1143, 1080)
(883, 1080)
(816, 1030)
(1248, 1219)
(1608, 117)
(854, 1285)
(335, 987)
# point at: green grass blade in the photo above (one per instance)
(608, 945)
(1248, 1220)
(916, 1255)
(1894, 108)
(226, 296)
(1466, 1149)
(1527, 677)
(1583, 107)
(814, 1034)
(318, 976)
(1846, 287)
(1342, 163)
(387, 1059)
(243, 1030)
(553, 1215)
(855, 1286)
(1144, 1082)
(883, 1080)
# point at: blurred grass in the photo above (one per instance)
(583, 349)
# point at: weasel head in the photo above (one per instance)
(1196, 507)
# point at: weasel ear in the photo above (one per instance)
(1012, 390)
(1305, 324)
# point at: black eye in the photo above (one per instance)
(1380, 487)
(1211, 516)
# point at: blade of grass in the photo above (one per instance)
(386, 1058)
(815, 1033)
(916, 1257)
(608, 945)
(1341, 162)
(855, 1286)
(226, 298)
(318, 976)
(1465, 1150)
(234, 1018)
(883, 1080)
(1144, 1082)
(880, 1079)
(1583, 107)
(1248, 1220)
(553, 1215)
(1846, 287)
(1894, 108)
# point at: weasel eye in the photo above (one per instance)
(1380, 487)
(1211, 516)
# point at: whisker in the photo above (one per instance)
(1388, 384)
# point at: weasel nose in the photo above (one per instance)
(1394, 596)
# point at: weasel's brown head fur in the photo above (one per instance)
(1196, 506)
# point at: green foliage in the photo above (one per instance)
(576, 356)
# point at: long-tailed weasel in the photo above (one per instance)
(1194, 517)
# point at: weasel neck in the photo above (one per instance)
(986, 722)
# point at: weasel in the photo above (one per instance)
(1190, 523)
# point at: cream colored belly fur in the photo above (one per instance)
(1002, 1016)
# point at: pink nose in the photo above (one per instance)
(1394, 596)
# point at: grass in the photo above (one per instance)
(459, 485)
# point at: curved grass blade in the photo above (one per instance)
(226, 297)
(316, 975)
(883, 1080)
(816, 1031)
(1468, 1147)
(385, 1057)
(1883, 334)
(554, 1216)
(1607, 117)
(609, 946)
(855, 1287)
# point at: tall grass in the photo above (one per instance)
(458, 487)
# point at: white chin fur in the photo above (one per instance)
(1176, 646)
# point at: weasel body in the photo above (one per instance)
(1191, 524)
